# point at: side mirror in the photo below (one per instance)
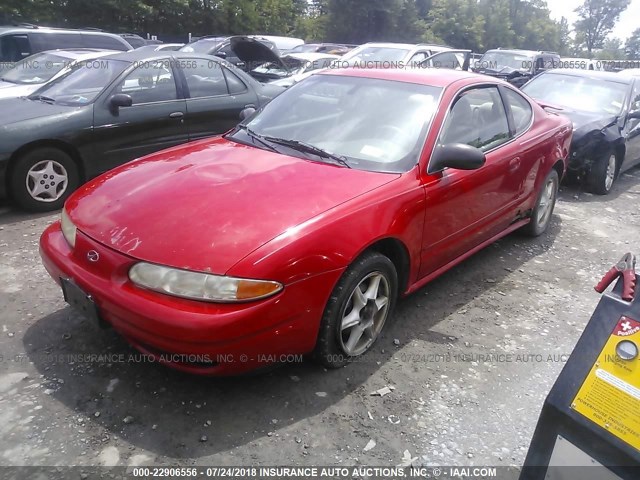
(247, 112)
(120, 100)
(458, 156)
(634, 115)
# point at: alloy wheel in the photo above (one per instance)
(547, 200)
(365, 314)
(610, 175)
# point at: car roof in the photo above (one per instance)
(310, 56)
(517, 50)
(407, 46)
(135, 55)
(630, 71)
(80, 53)
(594, 74)
(436, 77)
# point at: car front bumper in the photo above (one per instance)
(196, 337)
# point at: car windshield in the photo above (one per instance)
(371, 124)
(293, 66)
(578, 93)
(376, 54)
(202, 46)
(304, 48)
(499, 61)
(82, 84)
(39, 68)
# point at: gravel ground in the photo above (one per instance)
(471, 356)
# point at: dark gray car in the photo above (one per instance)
(112, 110)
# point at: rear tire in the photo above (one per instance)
(604, 173)
(543, 210)
(357, 311)
(42, 179)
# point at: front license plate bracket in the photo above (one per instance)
(81, 302)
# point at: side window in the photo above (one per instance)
(235, 84)
(61, 40)
(14, 48)
(418, 58)
(226, 51)
(520, 109)
(151, 82)
(477, 118)
(447, 60)
(103, 41)
(204, 78)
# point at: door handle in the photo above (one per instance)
(176, 115)
(251, 105)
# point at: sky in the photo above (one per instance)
(627, 22)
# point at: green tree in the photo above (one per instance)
(596, 21)
(611, 50)
(456, 22)
(632, 47)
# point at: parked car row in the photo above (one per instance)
(296, 230)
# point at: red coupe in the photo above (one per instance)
(296, 232)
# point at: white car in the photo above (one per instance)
(390, 55)
(26, 76)
(291, 67)
(284, 44)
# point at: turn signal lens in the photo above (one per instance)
(68, 228)
(200, 286)
(249, 289)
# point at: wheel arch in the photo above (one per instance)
(49, 143)
(559, 167)
(396, 251)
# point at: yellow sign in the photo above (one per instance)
(610, 395)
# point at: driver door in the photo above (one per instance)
(466, 208)
(154, 122)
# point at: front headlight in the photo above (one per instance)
(200, 286)
(68, 228)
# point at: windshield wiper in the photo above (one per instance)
(43, 98)
(256, 137)
(308, 148)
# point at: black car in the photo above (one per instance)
(111, 110)
(515, 66)
(605, 110)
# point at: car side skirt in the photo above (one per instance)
(423, 281)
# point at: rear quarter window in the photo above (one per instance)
(103, 41)
(520, 109)
(48, 41)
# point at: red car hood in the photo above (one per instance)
(206, 205)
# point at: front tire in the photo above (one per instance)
(42, 179)
(546, 203)
(603, 174)
(357, 311)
